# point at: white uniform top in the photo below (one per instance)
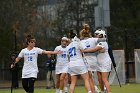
(103, 58)
(89, 43)
(62, 59)
(30, 68)
(74, 52)
(90, 58)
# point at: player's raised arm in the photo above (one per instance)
(97, 48)
(51, 52)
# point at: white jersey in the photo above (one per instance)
(90, 58)
(89, 43)
(104, 60)
(30, 68)
(75, 55)
(104, 57)
(62, 59)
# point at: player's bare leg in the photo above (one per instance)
(85, 77)
(66, 85)
(57, 82)
(101, 83)
(105, 80)
(91, 81)
(73, 82)
(62, 79)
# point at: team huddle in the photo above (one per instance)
(75, 57)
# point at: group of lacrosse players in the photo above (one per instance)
(75, 57)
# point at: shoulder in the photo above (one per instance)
(93, 39)
(22, 52)
(23, 49)
(103, 44)
(36, 48)
(58, 47)
(73, 43)
(84, 40)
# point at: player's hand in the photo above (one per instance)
(12, 65)
(102, 50)
(82, 50)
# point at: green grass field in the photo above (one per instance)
(128, 88)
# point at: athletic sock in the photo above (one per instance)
(104, 88)
(61, 91)
(57, 91)
(97, 89)
(89, 92)
(66, 89)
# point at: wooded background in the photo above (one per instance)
(49, 20)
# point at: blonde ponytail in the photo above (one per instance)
(85, 32)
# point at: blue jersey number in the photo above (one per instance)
(30, 58)
(87, 44)
(72, 51)
(63, 55)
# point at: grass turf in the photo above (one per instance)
(128, 88)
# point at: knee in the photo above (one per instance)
(62, 79)
(100, 81)
(104, 79)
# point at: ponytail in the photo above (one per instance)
(72, 34)
(85, 32)
(86, 27)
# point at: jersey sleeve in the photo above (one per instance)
(21, 54)
(56, 49)
(39, 50)
(100, 44)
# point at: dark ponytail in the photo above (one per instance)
(72, 34)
